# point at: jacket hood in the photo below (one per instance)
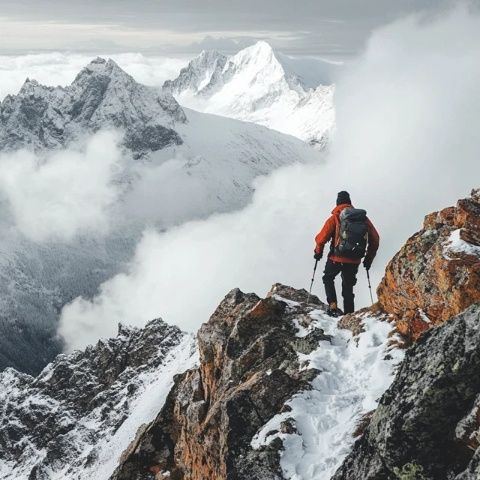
(341, 207)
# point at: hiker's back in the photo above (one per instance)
(352, 233)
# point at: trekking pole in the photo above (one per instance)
(370, 286)
(311, 284)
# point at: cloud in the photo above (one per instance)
(322, 26)
(61, 68)
(406, 144)
(65, 194)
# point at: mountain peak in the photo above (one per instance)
(262, 46)
(261, 52)
(101, 66)
(101, 96)
(28, 85)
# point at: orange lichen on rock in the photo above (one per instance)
(436, 274)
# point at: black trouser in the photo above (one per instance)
(349, 279)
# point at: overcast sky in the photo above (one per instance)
(319, 27)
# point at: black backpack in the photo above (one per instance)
(353, 233)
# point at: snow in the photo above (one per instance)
(457, 245)
(424, 316)
(155, 387)
(256, 86)
(213, 170)
(354, 374)
(94, 447)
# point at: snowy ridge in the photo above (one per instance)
(355, 372)
(201, 73)
(101, 96)
(79, 415)
(256, 85)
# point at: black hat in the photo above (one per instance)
(343, 197)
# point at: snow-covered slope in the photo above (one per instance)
(257, 85)
(78, 416)
(224, 156)
(355, 372)
(191, 165)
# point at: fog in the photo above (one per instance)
(406, 144)
(65, 193)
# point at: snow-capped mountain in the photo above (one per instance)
(101, 96)
(75, 419)
(192, 165)
(260, 86)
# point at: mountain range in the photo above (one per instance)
(178, 165)
(261, 86)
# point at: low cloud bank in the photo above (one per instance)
(64, 194)
(406, 144)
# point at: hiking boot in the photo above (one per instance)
(333, 310)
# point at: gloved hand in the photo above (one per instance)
(317, 256)
(367, 263)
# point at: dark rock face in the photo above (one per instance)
(248, 370)
(427, 425)
(101, 96)
(57, 421)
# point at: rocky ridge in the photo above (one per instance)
(79, 414)
(101, 96)
(278, 390)
(249, 368)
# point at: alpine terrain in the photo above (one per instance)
(190, 164)
(277, 389)
(262, 86)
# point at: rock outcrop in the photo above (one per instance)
(426, 425)
(436, 274)
(249, 368)
(82, 411)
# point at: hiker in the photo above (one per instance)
(352, 237)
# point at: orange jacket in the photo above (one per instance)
(330, 231)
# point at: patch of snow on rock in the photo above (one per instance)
(354, 374)
(457, 245)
